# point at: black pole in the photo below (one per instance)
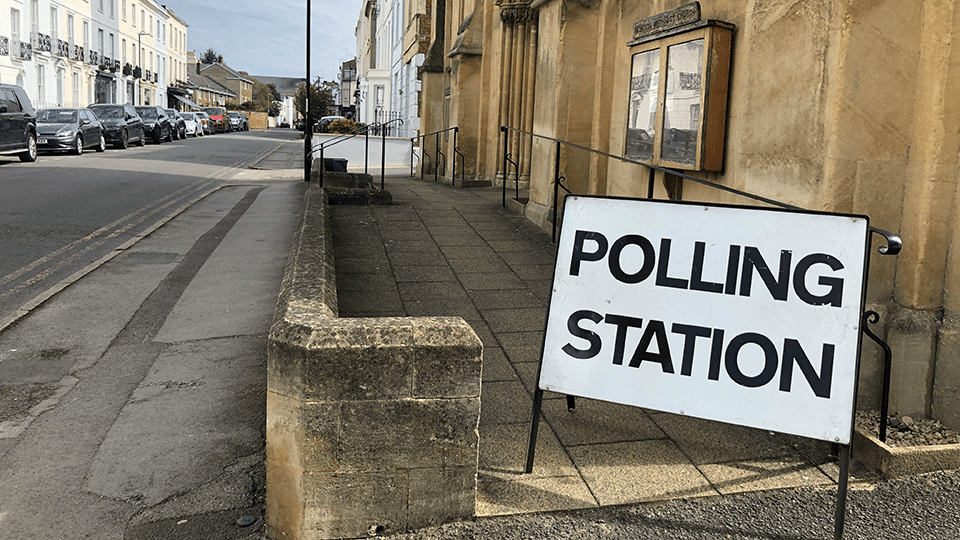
(650, 184)
(436, 169)
(503, 130)
(383, 156)
(453, 176)
(308, 127)
(412, 148)
(556, 191)
(840, 516)
(366, 150)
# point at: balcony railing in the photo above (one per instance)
(94, 58)
(4, 46)
(20, 50)
(63, 48)
(137, 72)
(41, 42)
(77, 53)
(156, 77)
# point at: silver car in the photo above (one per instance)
(194, 124)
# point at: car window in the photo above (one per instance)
(149, 114)
(10, 99)
(108, 112)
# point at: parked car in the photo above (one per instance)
(208, 128)
(121, 123)
(192, 124)
(238, 122)
(18, 124)
(179, 125)
(220, 120)
(156, 124)
(325, 122)
(70, 129)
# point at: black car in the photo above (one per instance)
(69, 129)
(156, 124)
(18, 124)
(178, 123)
(121, 124)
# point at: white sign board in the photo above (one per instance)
(741, 315)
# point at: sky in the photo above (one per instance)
(269, 38)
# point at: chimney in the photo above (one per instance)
(198, 66)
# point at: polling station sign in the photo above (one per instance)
(742, 315)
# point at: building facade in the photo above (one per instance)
(240, 84)
(79, 52)
(831, 105)
(392, 37)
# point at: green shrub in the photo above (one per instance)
(344, 125)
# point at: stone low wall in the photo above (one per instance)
(372, 423)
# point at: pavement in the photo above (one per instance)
(145, 378)
(440, 250)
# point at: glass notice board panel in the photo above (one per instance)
(676, 115)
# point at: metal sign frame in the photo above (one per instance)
(633, 274)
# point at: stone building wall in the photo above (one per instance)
(836, 105)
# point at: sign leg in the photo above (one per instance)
(534, 427)
(842, 492)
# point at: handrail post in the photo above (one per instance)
(650, 181)
(436, 169)
(411, 157)
(323, 165)
(383, 157)
(366, 151)
(556, 190)
(503, 130)
(453, 177)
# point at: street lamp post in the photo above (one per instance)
(308, 126)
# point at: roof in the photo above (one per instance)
(284, 85)
(230, 70)
(203, 82)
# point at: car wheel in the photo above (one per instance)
(170, 136)
(78, 145)
(157, 138)
(124, 140)
(143, 139)
(102, 147)
(30, 154)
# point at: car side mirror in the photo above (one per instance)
(3, 108)
(84, 122)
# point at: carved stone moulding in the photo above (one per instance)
(517, 13)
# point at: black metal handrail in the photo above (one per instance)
(438, 154)
(365, 131)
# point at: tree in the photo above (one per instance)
(210, 56)
(320, 99)
(266, 98)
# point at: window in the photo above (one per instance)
(100, 41)
(54, 26)
(112, 15)
(34, 18)
(123, 50)
(15, 28)
(123, 9)
(86, 36)
(133, 12)
(111, 49)
(100, 5)
(40, 92)
(676, 114)
(71, 38)
(76, 89)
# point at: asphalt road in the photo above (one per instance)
(63, 213)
